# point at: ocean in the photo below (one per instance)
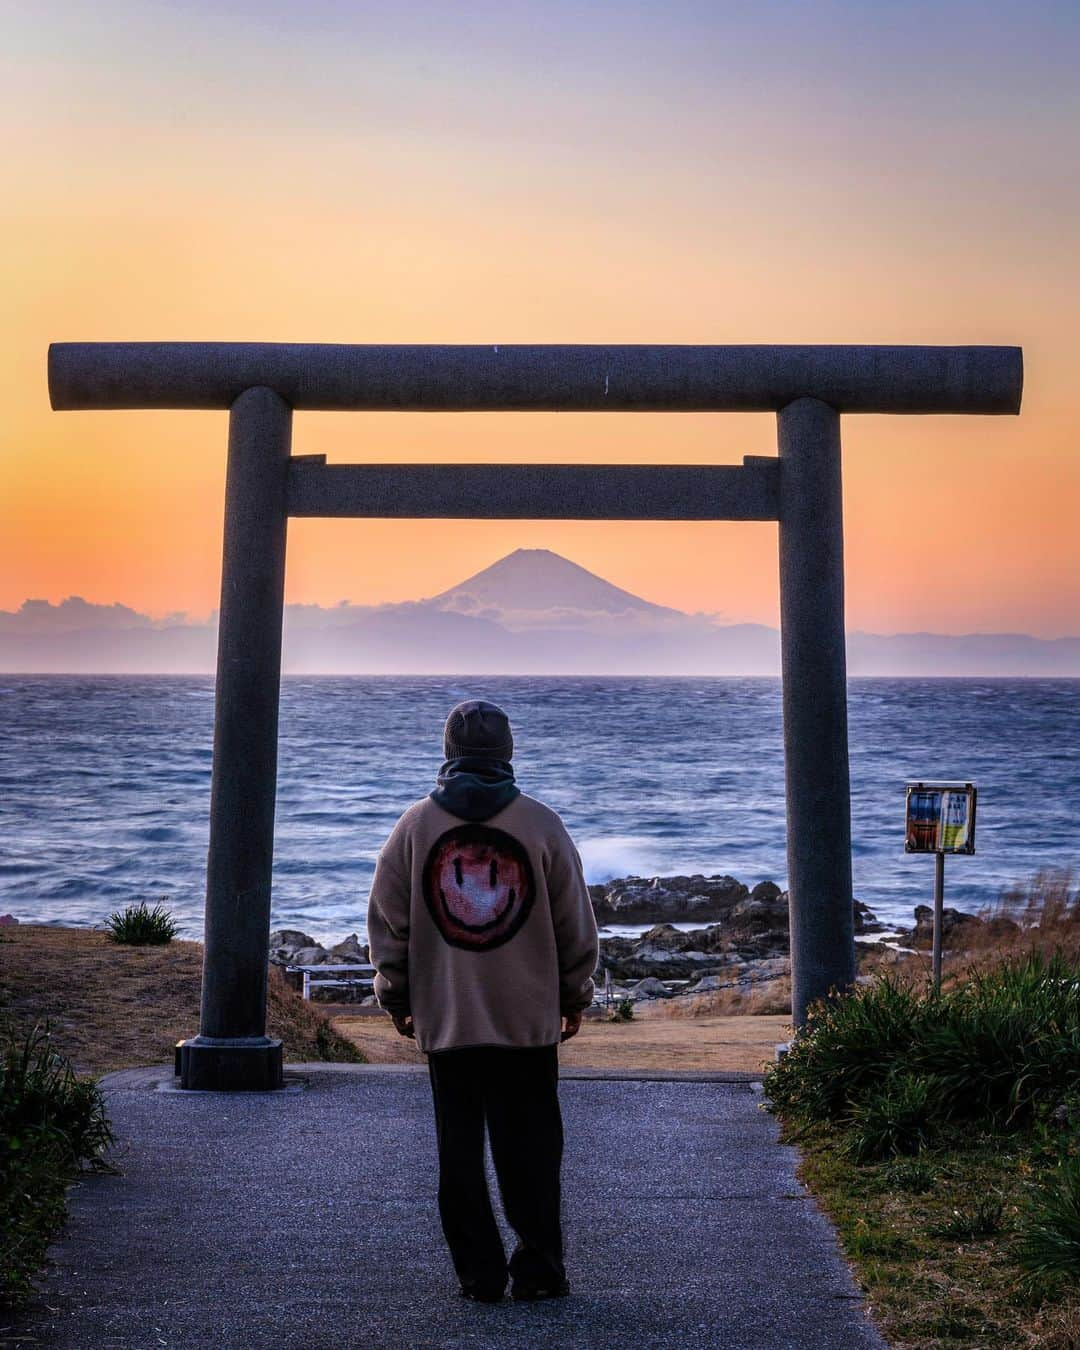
(105, 784)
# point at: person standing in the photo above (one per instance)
(484, 943)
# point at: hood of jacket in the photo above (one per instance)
(475, 788)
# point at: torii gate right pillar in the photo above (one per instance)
(814, 664)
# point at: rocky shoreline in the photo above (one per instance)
(745, 946)
(741, 946)
(743, 940)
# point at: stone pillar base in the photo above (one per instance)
(243, 1064)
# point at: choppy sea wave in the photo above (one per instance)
(105, 783)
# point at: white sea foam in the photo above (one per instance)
(617, 855)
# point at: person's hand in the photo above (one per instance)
(405, 1026)
(571, 1025)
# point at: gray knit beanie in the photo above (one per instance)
(477, 729)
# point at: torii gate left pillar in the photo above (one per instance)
(808, 388)
(232, 1047)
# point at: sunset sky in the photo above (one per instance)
(547, 172)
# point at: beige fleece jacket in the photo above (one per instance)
(483, 931)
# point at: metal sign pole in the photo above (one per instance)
(940, 819)
(939, 903)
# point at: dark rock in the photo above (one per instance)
(866, 921)
(290, 938)
(754, 930)
(656, 899)
(666, 952)
(349, 950)
(700, 899)
(957, 928)
(763, 912)
(649, 988)
(309, 956)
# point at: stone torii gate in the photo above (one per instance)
(261, 383)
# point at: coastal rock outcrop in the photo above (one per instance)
(750, 944)
(666, 953)
(650, 988)
(680, 899)
(701, 899)
(290, 947)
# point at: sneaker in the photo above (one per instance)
(533, 1293)
(478, 1294)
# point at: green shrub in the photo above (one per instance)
(1050, 1229)
(994, 1049)
(846, 1051)
(623, 1011)
(893, 1119)
(50, 1123)
(1008, 1040)
(140, 926)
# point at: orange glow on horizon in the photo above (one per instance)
(131, 226)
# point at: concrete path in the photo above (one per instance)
(307, 1219)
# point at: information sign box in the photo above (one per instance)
(940, 818)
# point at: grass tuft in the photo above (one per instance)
(140, 926)
(894, 1119)
(912, 1175)
(982, 1219)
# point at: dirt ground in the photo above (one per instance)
(111, 1006)
(115, 1007)
(651, 1041)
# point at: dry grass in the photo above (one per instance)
(651, 1041)
(761, 998)
(771, 996)
(115, 1007)
(1046, 912)
(927, 1290)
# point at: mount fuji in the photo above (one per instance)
(532, 612)
(534, 588)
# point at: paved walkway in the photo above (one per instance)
(307, 1219)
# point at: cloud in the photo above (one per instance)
(74, 615)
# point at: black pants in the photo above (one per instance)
(515, 1093)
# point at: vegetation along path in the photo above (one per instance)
(307, 1218)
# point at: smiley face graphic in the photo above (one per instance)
(478, 886)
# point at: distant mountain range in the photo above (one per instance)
(532, 612)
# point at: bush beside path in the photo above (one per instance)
(942, 1134)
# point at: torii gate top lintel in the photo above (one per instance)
(640, 378)
(808, 388)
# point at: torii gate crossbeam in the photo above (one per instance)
(261, 384)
